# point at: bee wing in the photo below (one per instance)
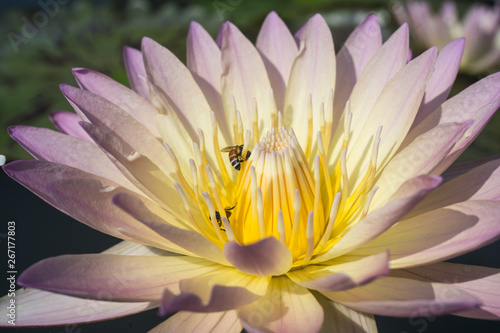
(227, 149)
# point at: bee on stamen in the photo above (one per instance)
(219, 219)
(236, 155)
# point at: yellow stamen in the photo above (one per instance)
(309, 237)
(228, 183)
(213, 218)
(178, 171)
(281, 227)
(274, 109)
(309, 125)
(229, 230)
(255, 122)
(260, 214)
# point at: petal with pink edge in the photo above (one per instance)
(377, 222)
(352, 59)
(204, 62)
(420, 157)
(479, 183)
(139, 169)
(125, 98)
(200, 322)
(175, 86)
(399, 297)
(43, 308)
(342, 273)
(481, 118)
(37, 308)
(278, 50)
(383, 65)
(116, 277)
(438, 235)
(47, 145)
(313, 74)
(263, 258)
(134, 64)
(441, 81)
(83, 196)
(110, 118)
(68, 123)
(224, 290)
(192, 241)
(286, 307)
(482, 282)
(244, 78)
(394, 110)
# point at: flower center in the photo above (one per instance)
(300, 197)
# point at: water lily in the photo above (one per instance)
(337, 212)
(480, 27)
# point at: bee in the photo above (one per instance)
(236, 155)
(219, 219)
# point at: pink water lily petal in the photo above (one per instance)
(383, 65)
(244, 78)
(286, 307)
(352, 59)
(399, 297)
(116, 277)
(177, 87)
(340, 318)
(224, 290)
(482, 282)
(125, 98)
(264, 258)
(477, 102)
(47, 145)
(68, 123)
(375, 223)
(420, 157)
(394, 110)
(480, 183)
(35, 308)
(441, 81)
(278, 50)
(204, 62)
(136, 72)
(459, 168)
(438, 235)
(465, 104)
(111, 118)
(481, 118)
(139, 169)
(134, 249)
(89, 202)
(313, 72)
(342, 273)
(190, 240)
(200, 322)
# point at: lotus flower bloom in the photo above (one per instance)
(327, 207)
(480, 27)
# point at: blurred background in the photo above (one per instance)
(35, 59)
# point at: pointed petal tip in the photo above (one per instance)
(79, 69)
(67, 89)
(147, 42)
(193, 27)
(12, 130)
